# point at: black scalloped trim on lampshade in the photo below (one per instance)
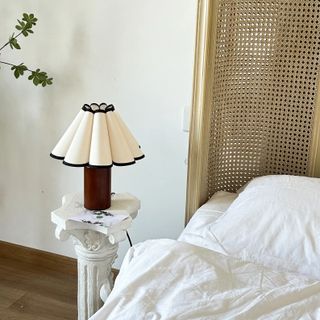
(75, 165)
(87, 164)
(106, 107)
(56, 157)
(128, 163)
(123, 164)
(99, 166)
(139, 158)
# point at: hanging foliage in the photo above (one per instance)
(25, 27)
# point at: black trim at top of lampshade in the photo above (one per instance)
(108, 107)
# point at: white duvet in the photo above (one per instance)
(197, 283)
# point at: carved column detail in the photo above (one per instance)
(95, 257)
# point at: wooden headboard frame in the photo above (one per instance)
(197, 192)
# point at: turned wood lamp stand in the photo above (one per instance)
(97, 188)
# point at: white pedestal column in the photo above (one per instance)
(95, 245)
(95, 258)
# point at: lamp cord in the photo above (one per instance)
(129, 239)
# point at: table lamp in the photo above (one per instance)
(97, 139)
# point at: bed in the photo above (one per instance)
(248, 255)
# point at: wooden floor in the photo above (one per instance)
(29, 292)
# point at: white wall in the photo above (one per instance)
(137, 55)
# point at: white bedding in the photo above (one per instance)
(275, 221)
(197, 283)
(197, 230)
(193, 278)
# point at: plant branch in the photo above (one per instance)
(37, 76)
(7, 63)
(15, 37)
(24, 27)
(14, 65)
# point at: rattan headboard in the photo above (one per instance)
(256, 94)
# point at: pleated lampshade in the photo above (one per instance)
(97, 137)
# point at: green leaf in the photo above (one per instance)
(19, 70)
(16, 44)
(21, 25)
(37, 76)
(16, 73)
(22, 68)
(28, 25)
(13, 42)
(36, 81)
(42, 76)
(10, 41)
(30, 19)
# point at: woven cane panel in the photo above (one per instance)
(265, 82)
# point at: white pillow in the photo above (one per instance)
(275, 222)
(196, 231)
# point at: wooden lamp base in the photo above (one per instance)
(97, 188)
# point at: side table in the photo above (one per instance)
(96, 246)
